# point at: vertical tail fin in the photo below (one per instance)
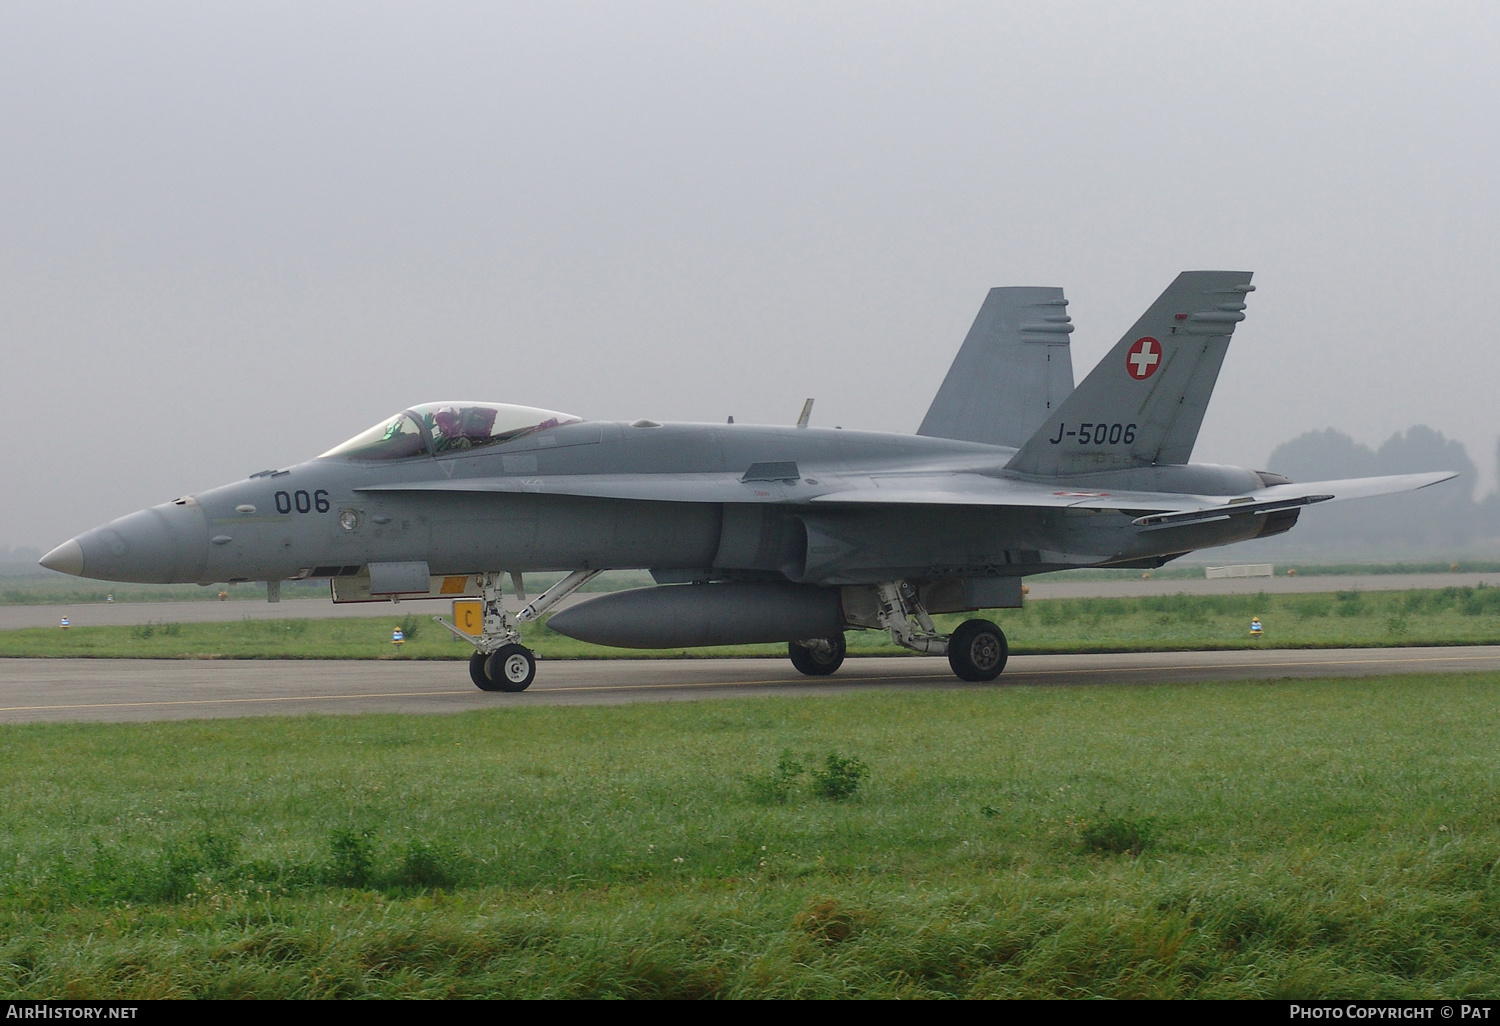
(1145, 401)
(1012, 371)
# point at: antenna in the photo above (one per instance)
(806, 414)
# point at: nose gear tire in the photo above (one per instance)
(510, 668)
(817, 660)
(977, 650)
(476, 672)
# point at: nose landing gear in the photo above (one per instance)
(509, 668)
(476, 671)
(500, 662)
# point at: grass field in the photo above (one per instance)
(1450, 616)
(1304, 838)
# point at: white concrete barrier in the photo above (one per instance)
(1242, 570)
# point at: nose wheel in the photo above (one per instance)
(509, 668)
(476, 672)
(501, 662)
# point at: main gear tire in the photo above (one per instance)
(977, 650)
(510, 668)
(819, 659)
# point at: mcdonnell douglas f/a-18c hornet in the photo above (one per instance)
(761, 534)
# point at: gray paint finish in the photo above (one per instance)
(1014, 369)
(1104, 481)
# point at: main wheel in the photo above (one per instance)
(476, 673)
(820, 658)
(977, 650)
(510, 668)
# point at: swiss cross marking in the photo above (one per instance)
(1143, 359)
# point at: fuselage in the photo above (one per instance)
(336, 514)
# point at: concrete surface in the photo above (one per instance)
(130, 689)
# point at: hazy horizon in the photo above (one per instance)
(232, 236)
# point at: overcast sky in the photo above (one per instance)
(233, 235)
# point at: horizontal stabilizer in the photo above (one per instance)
(1357, 487)
(1292, 496)
(1200, 516)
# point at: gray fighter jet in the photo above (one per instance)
(761, 534)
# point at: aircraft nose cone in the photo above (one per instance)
(67, 558)
(165, 544)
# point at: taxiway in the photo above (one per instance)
(33, 690)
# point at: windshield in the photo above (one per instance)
(391, 439)
(448, 427)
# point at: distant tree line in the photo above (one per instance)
(1444, 518)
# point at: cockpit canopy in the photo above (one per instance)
(447, 427)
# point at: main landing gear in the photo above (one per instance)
(500, 662)
(817, 657)
(977, 650)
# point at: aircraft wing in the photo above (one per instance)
(983, 490)
(1159, 509)
(940, 489)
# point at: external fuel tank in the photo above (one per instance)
(688, 615)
